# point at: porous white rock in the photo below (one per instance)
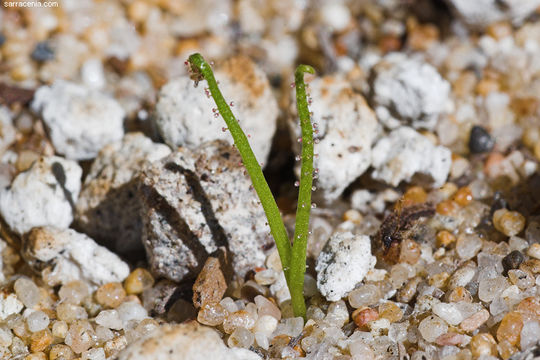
(343, 263)
(404, 153)
(345, 127)
(185, 117)
(480, 13)
(409, 91)
(80, 121)
(108, 209)
(43, 195)
(9, 304)
(194, 202)
(190, 341)
(64, 255)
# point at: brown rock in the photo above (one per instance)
(210, 285)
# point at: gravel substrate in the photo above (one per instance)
(129, 230)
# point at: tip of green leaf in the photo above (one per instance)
(302, 68)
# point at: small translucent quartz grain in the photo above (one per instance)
(267, 307)
(445, 238)
(112, 347)
(530, 334)
(212, 314)
(266, 325)
(26, 291)
(473, 322)
(489, 289)
(534, 251)
(409, 252)
(59, 329)
(361, 350)
(61, 352)
(146, 326)
(110, 295)
(18, 347)
(510, 223)
(229, 304)
(241, 337)
(290, 326)
(103, 334)
(483, 344)
(138, 281)
(73, 292)
(69, 312)
(81, 336)
(463, 196)
(37, 321)
(449, 312)
(510, 328)
(266, 277)
(523, 279)
(337, 314)
(93, 354)
(530, 306)
(389, 310)
(131, 310)
(6, 336)
(110, 319)
(432, 327)
(240, 318)
(468, 245)
(365, 295)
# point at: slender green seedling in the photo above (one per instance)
(303, 208)
(293, 258)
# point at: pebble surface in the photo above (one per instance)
(428, 149)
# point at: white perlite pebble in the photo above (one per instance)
(480, 13)
(62, 256)
(346, 127)
(9, 304)
(80, 121)
(108, 209)
(185, 117)
(404, 153)
(43, 195)
(343, 263)
(409, 91)
(191, 340)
